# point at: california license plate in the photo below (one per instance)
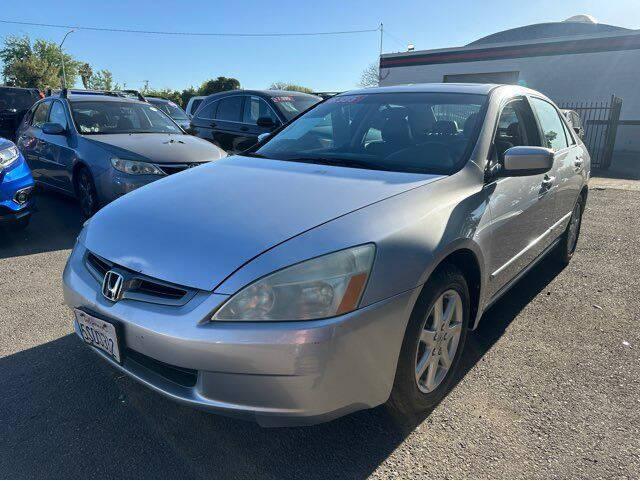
(99, 334)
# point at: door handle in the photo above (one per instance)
(213, 124)
(244, 129)
(547, 182)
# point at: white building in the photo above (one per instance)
(575, 60)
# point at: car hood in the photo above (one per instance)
(197, 227)
(159, 148)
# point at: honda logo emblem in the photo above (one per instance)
(112, 286)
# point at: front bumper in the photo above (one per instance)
(112, 184)
(278, 373)
(18, 178)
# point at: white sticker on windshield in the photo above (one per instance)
(154, 109)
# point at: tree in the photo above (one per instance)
(221, 84)
(102, 80)
(186, 94)
(173, 95)
(35, 65)
(292, 87)
(370, 76)
(86, 72)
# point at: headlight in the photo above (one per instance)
(135, 167)
(8, 156)
(326, 286)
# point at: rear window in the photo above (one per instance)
(17, 99)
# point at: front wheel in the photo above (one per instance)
(433, 344)
(87, 194)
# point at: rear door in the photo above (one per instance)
(568, 163)
(566, 177)
(229, 132)
(521, 207)
(204, 123)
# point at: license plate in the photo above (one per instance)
(98, 333)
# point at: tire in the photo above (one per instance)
(411, 395)
(86, 193)
(569, 240)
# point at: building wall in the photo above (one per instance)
(582, 77)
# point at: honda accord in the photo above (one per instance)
(340, 263)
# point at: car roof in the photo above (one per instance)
(159, 100)
(99, 98)
(466, 88)
(263, 93)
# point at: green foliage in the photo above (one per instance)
(36, 65)
(173, 95)
(102, 80)
(86, 72)
(292, 87)
(221, 84)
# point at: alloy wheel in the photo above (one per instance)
(439, 338)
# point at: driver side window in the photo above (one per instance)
(516, 127)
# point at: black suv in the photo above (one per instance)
(233, 120)
(14, 103)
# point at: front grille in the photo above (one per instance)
(161, 290)
(139, 287)
(179, 375)
(171, 169)
(100, 265)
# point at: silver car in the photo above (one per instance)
(340, 263)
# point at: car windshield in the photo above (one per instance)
(171, 109)
(109, 117)
(406, 132)
(292, 105)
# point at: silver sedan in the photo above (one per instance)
(339, 264)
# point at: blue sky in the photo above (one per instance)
(321, 63)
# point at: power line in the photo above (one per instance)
(193, 34)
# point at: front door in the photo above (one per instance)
(256, 108)
(31, 144)
(58, 154)
(522, 208)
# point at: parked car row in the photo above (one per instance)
(98, 146)
(336, 265)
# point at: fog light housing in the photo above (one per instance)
(23, 196)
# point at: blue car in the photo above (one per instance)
(98, 146)
(16, 187)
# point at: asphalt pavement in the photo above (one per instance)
(550, 386)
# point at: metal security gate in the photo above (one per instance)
(600, 121)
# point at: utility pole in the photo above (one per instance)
(64, 76)
(380, 55)
(145, 86)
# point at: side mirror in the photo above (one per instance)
(266, 122)
(262, 137)
(52, 128)
(520, 161)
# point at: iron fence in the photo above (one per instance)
(600, 121)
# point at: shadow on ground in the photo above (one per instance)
(54, 226)
(64, 413)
